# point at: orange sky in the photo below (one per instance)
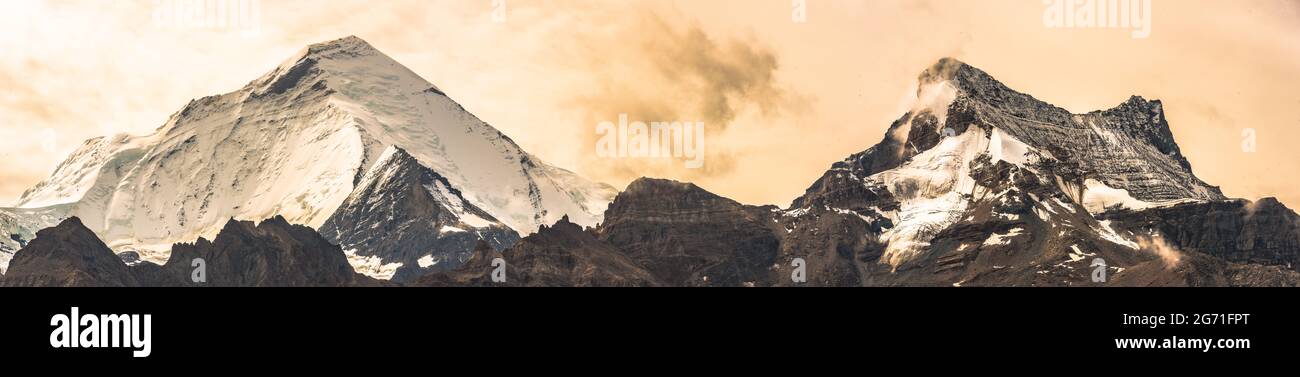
(782, 100)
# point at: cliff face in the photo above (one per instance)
(687, 236)
(1263, 232)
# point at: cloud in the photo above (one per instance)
(656, 71)
(1251, 208)
(1156, 244)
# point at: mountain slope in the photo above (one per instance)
(295, 143)
(404, 213)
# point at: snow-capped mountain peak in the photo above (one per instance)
(968, 143)
(294, 143)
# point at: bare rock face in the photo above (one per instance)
(1263, 232)
(272, 253)
(402, 212)
(686, 236)
(563, 255)
(67, 255)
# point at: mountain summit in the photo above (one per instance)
(296, 143)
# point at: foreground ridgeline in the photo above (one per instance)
(975, 185)
(272, 253)
(68, 255)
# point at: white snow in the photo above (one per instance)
(930, 190)
(842, 211)
(389, 102)
(1003, 239)
(1097, 196)
(1108, 233)
(475, 221)
(427, 261)
(371, 266)
(1004, 147)
(1078, 254)
(450, 229)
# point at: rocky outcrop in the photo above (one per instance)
(272, 253)
(563, 255)
(686, 236)
(67, 255)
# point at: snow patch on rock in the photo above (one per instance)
(1097, 196)
(371, 266)
(1003, 239)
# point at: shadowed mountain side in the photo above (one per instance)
(272, 253)
(67, 255)
(563, 255)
